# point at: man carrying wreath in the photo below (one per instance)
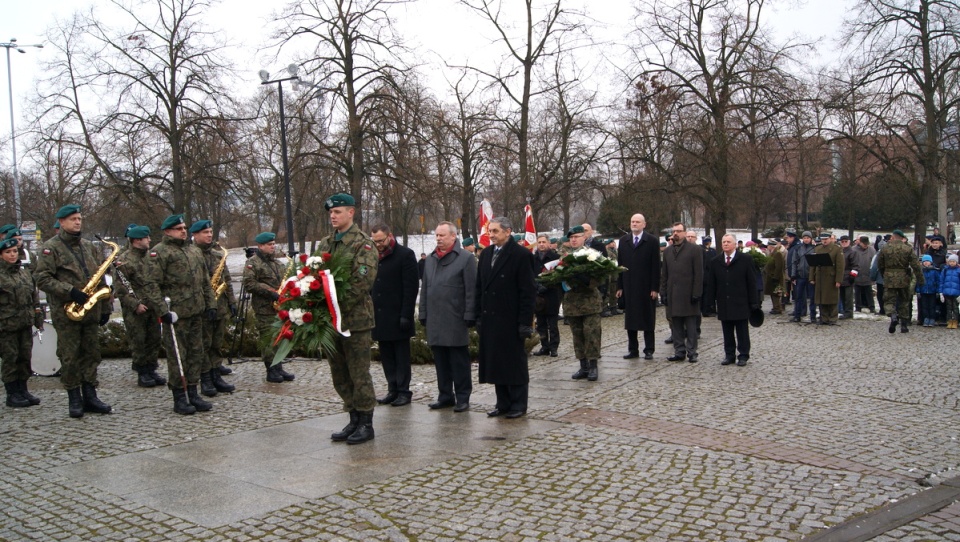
(581, 307)
(350, 363)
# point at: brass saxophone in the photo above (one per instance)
(76, 311)
(216, 281)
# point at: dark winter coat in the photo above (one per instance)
(864, 258)
(447, 297)
(851, 267)
(798, 268)
(548, 297)
(732, 287)
(641, 277)
(505, 294)
(950, 281)
(682, 279)
(395, 294)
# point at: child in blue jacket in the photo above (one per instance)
(928, 292)
(950, 288)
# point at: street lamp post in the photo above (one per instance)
(265, 80)
(12, 44)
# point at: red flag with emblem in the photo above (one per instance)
(530, 232)
(486, 214)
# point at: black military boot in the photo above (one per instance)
(92, 403)
(206, 385)
(197, 401)
(582, 373)
(283, 373)
(34, 400)
(364, 430)
(592, 371)
(224, 370)
(145, 379)
(903, 326)
(348, 429)
(15, 397)
(893, 323)
(181, 405)
(75, 403)
(156, 376)
(219, 382)
(272, 374)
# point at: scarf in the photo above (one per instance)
(392, 242)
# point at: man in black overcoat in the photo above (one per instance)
(505, 298)
(547, 308)
(394, 298)
(731, 282)
(639, 286)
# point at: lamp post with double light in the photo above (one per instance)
(265, 80)
(12, 44)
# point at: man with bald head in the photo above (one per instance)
(639, 286)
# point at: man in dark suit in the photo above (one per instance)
(394, 298)
(730, 281)
(505, 303)
(638, 286)
(548, 301)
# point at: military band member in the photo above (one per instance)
(66, 264)
(19, 309)
(176, 271)
(211, 380)
(141, 322)
(350, 366)
(24, 255)
(261, 277)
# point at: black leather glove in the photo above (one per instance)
(274, 295)
(406, 326)
(77, 296)
(211, 314)
(233, 311)
(423, 322)
(169, 318)
(104, 318)
(525, 332)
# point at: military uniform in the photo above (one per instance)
(261, 278)
(899, 267)
(214, 330)
(143, 330)
(19, 309)
(825, 279)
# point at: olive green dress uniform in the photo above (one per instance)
(213, 332)
(350, 367)
(261, 278)
(176, 269)
(19, 309)
(143, 330)
(826, 277)
(899, 266)
(65, 262)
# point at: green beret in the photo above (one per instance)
(8, 243)
(899, 233)
(575, 230)
(265, 238)
(56, 225)
(467, 241)
(137, 232)
(171, 221)
(201, 225)
(554, 240)
(564, 239)
(517, 237)
(7, 227)
(663, 244)
(67, 210)
(12, 233)
(339, 200)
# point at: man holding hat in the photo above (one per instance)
(262, 275)
(581, 310)
(66, 264)
(176, 271)
(350, 366)
(141, 322)
(898, 265)
(211, 379)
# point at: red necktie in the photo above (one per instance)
(728, 259)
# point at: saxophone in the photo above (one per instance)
(76, 311)
(216, 281)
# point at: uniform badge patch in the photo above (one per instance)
(249, 266)
(153, 254)
(362, 270)
(368, 247)
(46, 251)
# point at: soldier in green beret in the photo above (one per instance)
(898, 265)
(67, 263)
(141, 322)
(19, 309)
(581, 309)
(350, 366)
(25, 257)
(470, 245)
(211, 379)
(178, 288)
(262, 275)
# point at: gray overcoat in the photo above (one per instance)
(682, 279)
(448, 296)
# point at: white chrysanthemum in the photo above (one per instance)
(304, 283)
(315, 262)
(593, 256)
(296, 316)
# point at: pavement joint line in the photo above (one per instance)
(693, 435)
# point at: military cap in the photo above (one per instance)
(265, 238)
(806, 233)
(171, 221)
(864, 239)
(201, 225)
(7, 227)
(339, 200)
(791, 233)
(137, 232)
(707, 239)
(574, 230)
(7, 243)
(824, 235)
(67, 210)
(467, 241)
(899, 233)
(844, 237)
(12, 233)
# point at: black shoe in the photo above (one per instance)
(438, 405)
(592, 372)
(677, 358)
(553, 353)
(728, 361)
(197, 401)
(542, 352)
(219, 383)
(15, 398)
(273, 375)
(181, 405)
(741, 363)
(903, 327)
(34, 400)
(286, 375)
(403, 399)
(582, 373)
(795, 319)
(390, 397)
(515, 414)
(845, 316)
(893, 323)
(75, 403)
(496, 412)
(632, 355)
(145, 379)
(92, 403)
(693, 359)
(648, 355)
(364, 430)
(461, 407)
(604, 314)
(348, 429)
(224, 370)
(206, 385)
(668, 340)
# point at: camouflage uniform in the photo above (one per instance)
(66, 262)
(143, 330)
(175, 269)
(261, 278)
(19, 309)
(581, 307)
(899, 266)
(214, 331)
(350, 367)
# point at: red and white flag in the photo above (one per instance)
(530, 232)
(333, 304)
(486, 214)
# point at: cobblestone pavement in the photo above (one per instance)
(823, 424)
